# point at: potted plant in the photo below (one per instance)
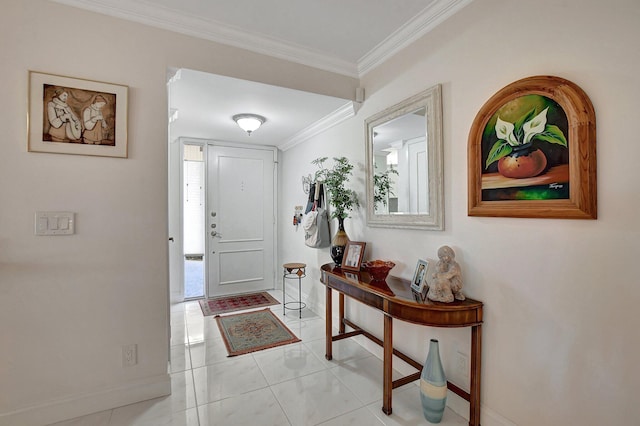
(382, 186)
(342, 199)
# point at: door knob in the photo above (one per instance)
(216, 234)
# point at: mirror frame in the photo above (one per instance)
(434, 220)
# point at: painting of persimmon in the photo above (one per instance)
(525, 151)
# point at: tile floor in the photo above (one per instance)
(292, 385)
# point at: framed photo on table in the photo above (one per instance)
(419, 281)
(353, 255)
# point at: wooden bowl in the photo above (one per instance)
(378, 269)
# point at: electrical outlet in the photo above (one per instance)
(462, 364)
(129, 355)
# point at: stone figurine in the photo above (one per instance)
(446, 282)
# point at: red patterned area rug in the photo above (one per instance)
(253, 331)
(224, 304)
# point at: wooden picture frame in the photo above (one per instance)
(353, 255)
(419, 280)
(554, 117)
(75, 116)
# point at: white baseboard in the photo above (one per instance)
(80, 405)
(489, 417)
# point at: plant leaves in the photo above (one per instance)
(342, 199)
(552, 134)
(500, 149)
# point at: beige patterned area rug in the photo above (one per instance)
(253, 331)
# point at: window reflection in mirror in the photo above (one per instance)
(400, 163)
(404, 164)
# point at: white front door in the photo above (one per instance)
(240, 219)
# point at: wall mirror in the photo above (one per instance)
(404, 164)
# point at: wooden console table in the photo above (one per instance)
(396, 300)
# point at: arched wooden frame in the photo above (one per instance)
(581, 139)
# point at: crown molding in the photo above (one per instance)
(430, 17)
(338, 116)
(169, 19)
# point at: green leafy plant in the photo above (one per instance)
(523, 132)
(382, 185)
(342, 199)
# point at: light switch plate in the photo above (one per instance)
(55, 223)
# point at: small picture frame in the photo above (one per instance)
(353, 255)
(419, 281)
(76, 116)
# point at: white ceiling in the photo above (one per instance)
(206, 102)
(349, 37)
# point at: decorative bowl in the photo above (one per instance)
(378, 269)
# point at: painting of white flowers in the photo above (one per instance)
(532, 152)
(525, 151)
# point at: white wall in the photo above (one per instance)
(561, 334)
(68, 304)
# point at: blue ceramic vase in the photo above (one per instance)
(433, 385)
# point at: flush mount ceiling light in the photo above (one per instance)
(249, 122)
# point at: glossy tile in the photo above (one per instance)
(292, 385)
(178, 334)
(141, 415)
(407, 410)
(359, 417)
(307, 330)
(208, 352)
(312, 399)
(230, 378)
(287, 362)
(180, 359)
(258, 407)
(202, 330)
(342, 351)
(363, 377)
(182, 398)
(178, 318)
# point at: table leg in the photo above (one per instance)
(284, 300)
(476, 354)
(329, 330)
(341, 313)
(387, 369)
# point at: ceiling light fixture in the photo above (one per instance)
(249, 122)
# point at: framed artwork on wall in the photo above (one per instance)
(532, 152)
(353, 255)
(75, 116)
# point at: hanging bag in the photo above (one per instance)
(316, 223)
